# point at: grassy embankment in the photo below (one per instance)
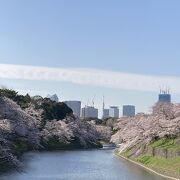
(169, 166)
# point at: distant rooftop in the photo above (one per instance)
(114, 107)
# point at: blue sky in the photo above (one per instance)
(129, 36)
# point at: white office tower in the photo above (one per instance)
(105, 113)
(114, 112)
(75, 106)
(89, 112)
(53, 97)
(128, 110)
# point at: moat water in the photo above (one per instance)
(78, 165)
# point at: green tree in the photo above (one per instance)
(55, 110)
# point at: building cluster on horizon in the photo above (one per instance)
(113, 111)
(85, 112)
(88, 112)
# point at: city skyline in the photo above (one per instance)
(127, 110)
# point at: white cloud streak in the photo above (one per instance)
(93, 77)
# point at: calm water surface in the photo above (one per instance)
(78, 165)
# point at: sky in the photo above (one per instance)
(82, 50)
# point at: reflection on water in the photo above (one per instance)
(79, 165)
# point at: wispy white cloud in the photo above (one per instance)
(92, 77)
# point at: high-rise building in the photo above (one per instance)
(75, 106)
(105, 113)
(89, 112)
(164, 96)
(128, 110)
(114, 112)
(53, 97)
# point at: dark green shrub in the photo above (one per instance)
(55, 110)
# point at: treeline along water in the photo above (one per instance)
(78, 165)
